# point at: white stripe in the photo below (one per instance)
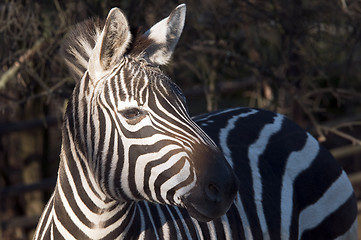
(81, 105)
(90, 215)
(127, 143)
(52, 231)
(108, 130)
(198, 229)
(121, 220)
(113, 169)
(78, 57)
(242, 213)
(194, 138)
(48, 222)
(125, 169)
(42, 218)
(336, 195)
(179, 236)
(151, 219)
(296, 163)
(98, 202)
(62, 230)
(254, 152)
(212, 230)
(176, 179)
(226, 227)
(143, 160)
(164, 223)
(157, 170)
(184, 190)
(123, 84)
(145, 85)
(224, 133)
(95, 231)
(88, 231)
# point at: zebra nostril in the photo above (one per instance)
(213, 193)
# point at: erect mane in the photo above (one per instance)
(79, 44)
(80, 41)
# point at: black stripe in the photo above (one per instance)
(192, 229)
(156, 219)
(178, 221)
(164, 176)
(272, 165)
(336, 224)
(56, 234)
(65, 219)
(149, 231)
(148, 170)
(65, 185)
(120, 149)
(75, 171)
(241, 141)
(173, 231)
(180, 185)
(235, 223)
(205, 230)
(311, 184)
(220, 234)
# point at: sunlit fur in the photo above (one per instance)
(165, 136)
(124, 178)
(113, 157)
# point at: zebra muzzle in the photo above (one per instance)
(214, 192)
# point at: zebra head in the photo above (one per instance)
(134, 128)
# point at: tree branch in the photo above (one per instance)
(16, 66)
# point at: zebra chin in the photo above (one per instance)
(204, 214)
(206, 208)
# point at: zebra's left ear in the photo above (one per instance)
(165, 35)
(111, 44)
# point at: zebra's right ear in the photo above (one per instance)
(111, 44)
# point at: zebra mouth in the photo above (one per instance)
(194, 213)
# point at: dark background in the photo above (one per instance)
(299, 58)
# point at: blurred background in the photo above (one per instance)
(300, 58)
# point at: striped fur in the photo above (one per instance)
(290, 186)
(132, 157)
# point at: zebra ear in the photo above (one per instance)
(111, 44)
(165, 35)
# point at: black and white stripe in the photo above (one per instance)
(134, 165)
(290, 186)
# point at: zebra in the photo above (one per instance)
(135, 165)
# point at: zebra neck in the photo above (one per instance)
(81, 222)
(78, 202)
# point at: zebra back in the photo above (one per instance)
(290, 185)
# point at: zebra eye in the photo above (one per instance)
(131, 113)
